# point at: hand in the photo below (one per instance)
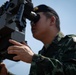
(3, 70)
(22, 51)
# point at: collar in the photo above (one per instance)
(58, 37)
(56, 40)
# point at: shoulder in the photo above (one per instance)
(69, 48)
(68, 40)
(72, 36)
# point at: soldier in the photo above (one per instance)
(58, 55)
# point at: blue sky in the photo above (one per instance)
(66, 10)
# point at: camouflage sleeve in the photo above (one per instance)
(46, 66)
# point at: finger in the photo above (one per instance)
(14, 52)
(24, 43)
(14, 48)
(16, 58)
(14, 42)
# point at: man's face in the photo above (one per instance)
(41, 28)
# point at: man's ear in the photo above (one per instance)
(53, 20)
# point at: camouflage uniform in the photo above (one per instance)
(59, 58)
